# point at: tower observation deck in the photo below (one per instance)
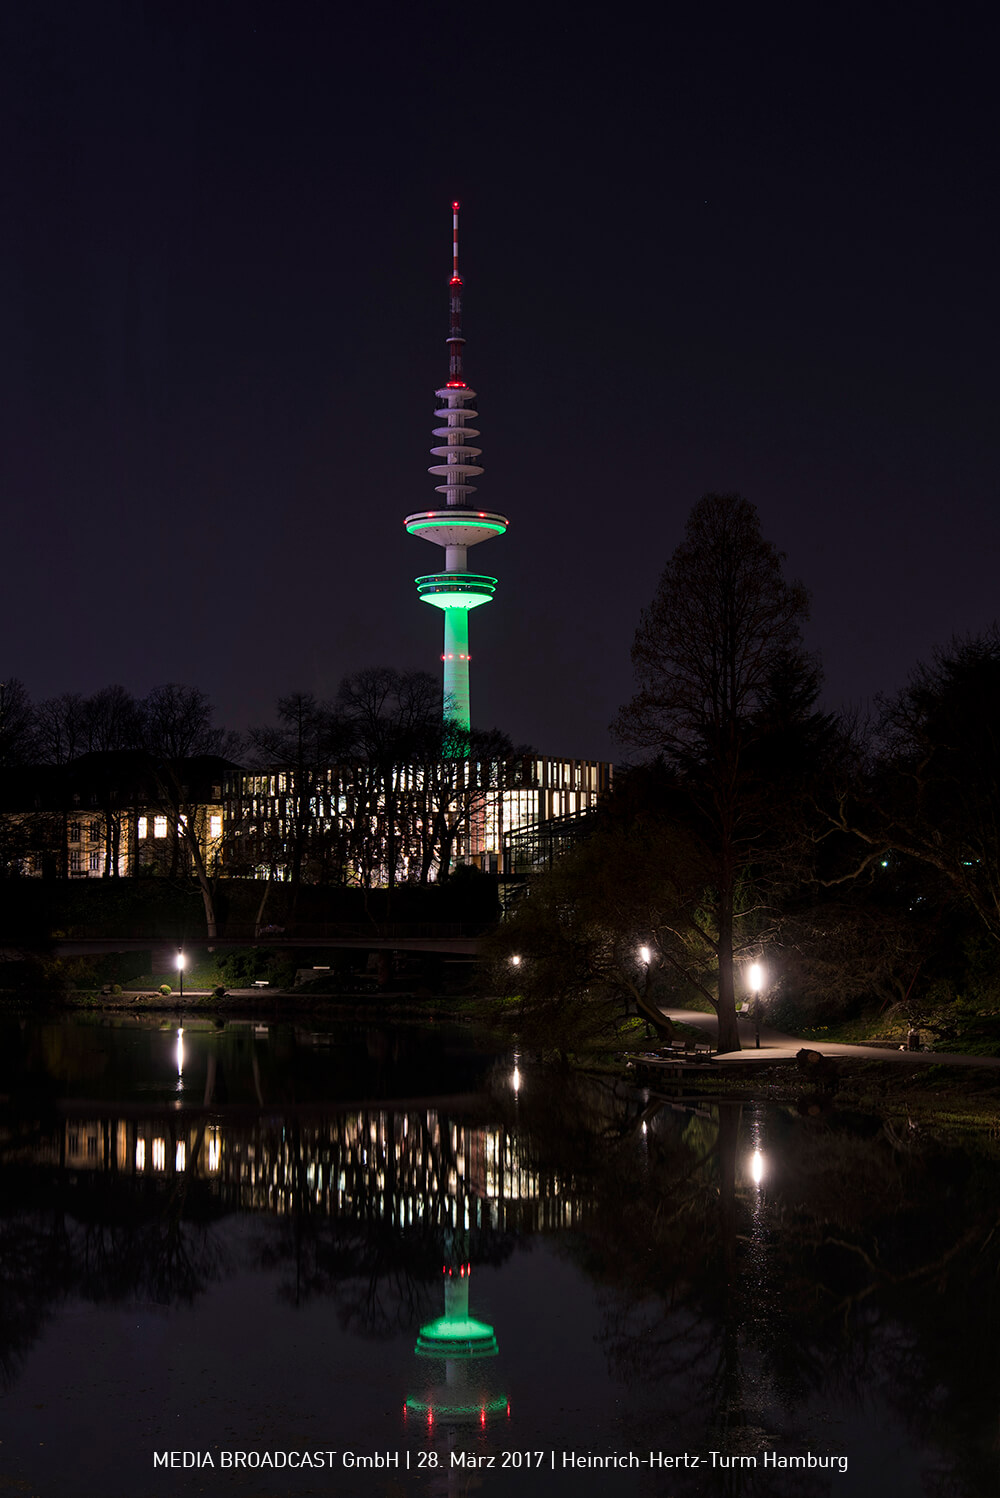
(456, 525)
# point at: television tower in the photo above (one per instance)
(456, 526)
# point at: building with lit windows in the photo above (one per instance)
(112, 815)
(359, 824)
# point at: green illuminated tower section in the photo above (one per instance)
(458, 1344)
(456, 525)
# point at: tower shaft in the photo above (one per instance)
(456, 667)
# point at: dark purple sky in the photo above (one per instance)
(718, 248)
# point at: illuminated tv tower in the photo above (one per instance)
(457, 526)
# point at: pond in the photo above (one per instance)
(364, 1260)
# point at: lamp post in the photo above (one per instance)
(756, 980)
(180, 968)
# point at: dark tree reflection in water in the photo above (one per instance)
(758, 1279)
(864, 1261)
(97, 1243)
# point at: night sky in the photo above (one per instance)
(704, 248)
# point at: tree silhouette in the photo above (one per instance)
(721, 671)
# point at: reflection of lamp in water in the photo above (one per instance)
(461, 1342)
(757, 1167)
(180, 1052)
(515, 1076)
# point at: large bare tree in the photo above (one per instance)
(719, 661)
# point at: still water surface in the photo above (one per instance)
(479, 1275)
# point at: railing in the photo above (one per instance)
(236, 931)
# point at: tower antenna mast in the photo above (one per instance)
(455, 339)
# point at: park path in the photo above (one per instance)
(776, 1046)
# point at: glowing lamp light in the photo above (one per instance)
(645, 955)
(757, 1167)
(515, 961)
(755, 977)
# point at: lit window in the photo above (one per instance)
(75, 861)
(215, 826)
(159, 826)
(140, 1154)
(141, 832)
(159, 1154)
(94, 832)
(95, 861)
(179, 1155)
(74, 832)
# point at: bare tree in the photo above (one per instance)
(458, 789)
(17, 724)
(395, 728)
(112, 720)
(723, 628)
(184, 752)
(306, 749)
(61, 728)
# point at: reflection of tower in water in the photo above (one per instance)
(460, 1394)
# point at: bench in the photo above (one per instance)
(689, 1050)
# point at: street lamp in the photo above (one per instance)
(756, 980)
(180, 968)
(645, 955)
